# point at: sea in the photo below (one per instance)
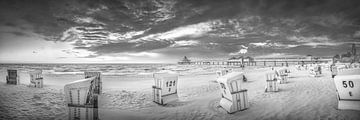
(105, 69)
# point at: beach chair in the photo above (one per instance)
(333, 70)
(81, 99)
(282, 75)
(165, 88)
(271, 82)
(348, 91)
(287, 72)
(314, 71)
(98, 81)
(36, 79)
(220, 73)
(298, 67)
(233, 97)
(13, 77)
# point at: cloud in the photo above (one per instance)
(151, 11)
(142, 28)
(332, 20)
(275, 45)
(277, 55)
(87, 36)
(192, 31)
(243, 50)
(143, 54)
(185, 43)
(315, 41)
(87, 20)
(98, 9)
(356, 34)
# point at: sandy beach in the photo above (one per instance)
(130, 97)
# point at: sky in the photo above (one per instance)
(163, 31)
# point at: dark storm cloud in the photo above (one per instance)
(127, 47)
(112, 26)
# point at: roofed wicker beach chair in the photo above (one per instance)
(271, 82)
(233, 97)
(165, 88)
(36, 79)
(13, 77)
(81, 99)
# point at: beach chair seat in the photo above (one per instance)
(165, 88)
(271, 82)
(98, 81)
(348, 91)
(233, 97)
(13, 77)
(36, 79)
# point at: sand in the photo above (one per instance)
(130, 97)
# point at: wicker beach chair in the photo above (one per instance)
(165, 88)
(81, 99)
(13, 77)
(271, 82)
(36, 79)
(233, 97)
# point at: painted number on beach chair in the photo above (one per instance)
(350, 84)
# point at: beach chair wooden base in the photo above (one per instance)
(271, 86)
(163, 99)
(83, 113)
(239, 102)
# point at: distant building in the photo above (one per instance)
(241, 59)
(351, 56)
(185, 61)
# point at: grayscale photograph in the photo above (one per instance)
(179, 59)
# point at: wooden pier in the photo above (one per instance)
(262, 61)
